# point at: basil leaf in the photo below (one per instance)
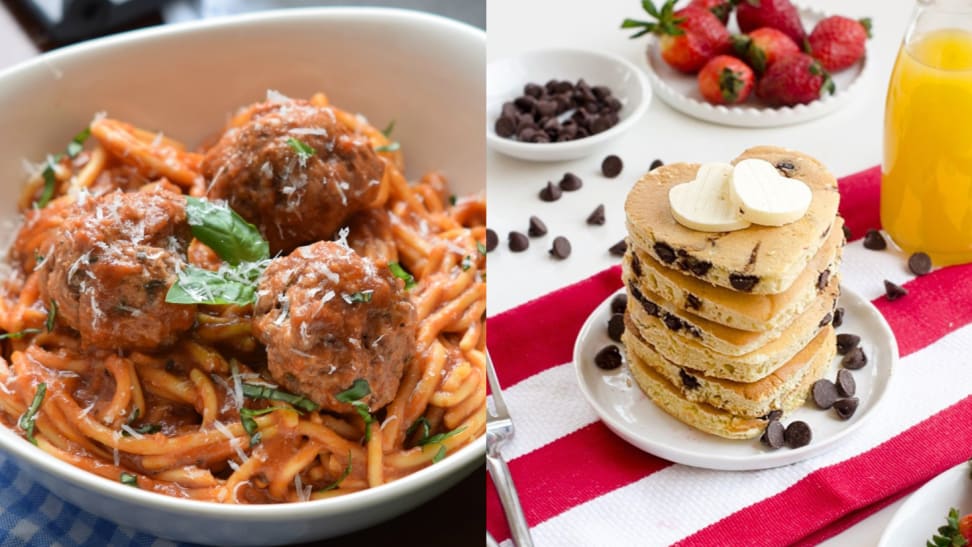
(399, 272)
(358, 297)
(198, 286)
(481, 247)
(50, 182)
(344, 475)
(425, 427)
(250, 425)
(466, 262)
(28, 418)
(232, 238)
(441, 436)
(19, 334)
(255, 391)
(148, 429)
(440, 454)
(358, 390)
(128, 479)
(304, 151)
(387, 131)
(77, 143)
(390, 147)
(51, 316)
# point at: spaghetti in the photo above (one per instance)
(200, 418)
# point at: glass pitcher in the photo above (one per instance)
(926, 185)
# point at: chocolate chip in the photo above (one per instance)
(636, 265)
(518, 242)
(692, 302)
(560, 248)
(838, 318)
(537, 227)
(619, 248)
(855, 359)
(492, 240)
(846, 386)
(665, 253)
(689, 381)
(550, 192)
(672, 322)
(847, 342)
(823, 280)
(845, 408)
(608, 358)
(526, 134)
(611, 166)
(533, 90)
(596, 218)
(797, 434)
(619, 303)
(786, 166)
(743, 282)
(774, 435)
(826, 320)
(774, 414)
(570, 182)
(656, 164)
(694, 265)
(824, 394)
(919, 263)
(615, 326)
(505, 126)
(847, 233)
(874, 241)
(892, 291)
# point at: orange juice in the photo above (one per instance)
(926, 188)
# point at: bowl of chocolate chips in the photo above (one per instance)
(561, 104)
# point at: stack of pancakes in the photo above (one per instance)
(722, 329)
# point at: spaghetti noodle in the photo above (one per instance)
(201, 418)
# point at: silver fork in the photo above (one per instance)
(499, 429)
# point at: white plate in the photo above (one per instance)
(681, 91)
(505, 79)
(185, 80)
(626, 410)
(918, 519)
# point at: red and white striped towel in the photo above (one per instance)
(582, 485)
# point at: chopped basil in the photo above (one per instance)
(133, 416)
(250, 425)
(437, 439)
(440, 454)
(19, 334)
(387, 131)
(344, 475)
(148, 429)
(232, 238)
(128, 479)
(27, 420)
(353, 395)
(51, 316)
(77, 143)
(452, 199)
(50, 182)
(358, 297)
(466, 262)
(481, 247)
(390, 147)
(198, 286)
(303, 150)
(421, 421)
(255, 391)
(398, 271)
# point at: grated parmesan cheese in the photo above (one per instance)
(131, 431)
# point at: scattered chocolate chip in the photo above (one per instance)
(611, 166)
(570, 182)
(636, 265)
(847, 233)
(855, 359)
(743, 282)
(619, 248)
(537, 227)
(847, 342)
(619, 303)
(892, 291)
(774, 436)
(560, 248)
(826, 320)
(672, 322)
(874, 241)
(774, 414)
(692, 302)
(694, 265)
(824, 394)
(846, 386)
(838, 318)
(608, 358)
(689, 381)
(845, 408)
(656, 164)
(786, 166)
(665, 253)
(615, 327)
(505, 126)
(797, 434)
(492, 240)
(518, 242)
(919, 263)
(550, 192)
(596, 218)
(823, 280)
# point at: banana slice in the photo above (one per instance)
(705, 204)
(765, 196)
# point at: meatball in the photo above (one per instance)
(110, 268)
(294, 170)
(329, 317)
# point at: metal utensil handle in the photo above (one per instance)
(500, 473)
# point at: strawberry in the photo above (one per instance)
(778, 14)
(794, 79)
(719, 8)
(688, 38)
(838, 42)
(761, 47)
(965, 527)
(726, 80)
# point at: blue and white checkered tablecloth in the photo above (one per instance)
(30, 515)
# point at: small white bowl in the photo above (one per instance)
(505, 80)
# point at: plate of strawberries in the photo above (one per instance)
(752, 63)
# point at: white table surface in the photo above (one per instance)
(846, 141)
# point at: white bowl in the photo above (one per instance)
(505, 79)
(185, 80)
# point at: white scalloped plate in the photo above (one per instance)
(925, 510)
(681, 92)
